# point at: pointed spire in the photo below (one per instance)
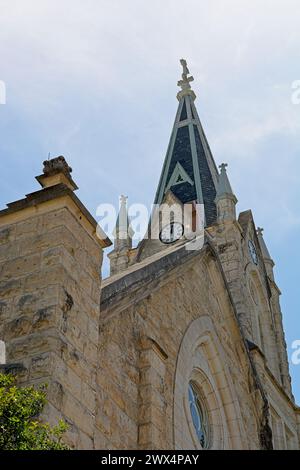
(224, 189)
(225, 198)
(263, 246)
(269, 263)
(189, 169)
(119, 257)
(123, 229)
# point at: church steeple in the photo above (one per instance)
(189, 169)
(225, 199)
(120, 256)
(269, 263)
(123, 231)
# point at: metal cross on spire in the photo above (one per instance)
(185, 81)
(185, 68)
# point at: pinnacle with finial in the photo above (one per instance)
(123, 227)
(224, 187)
(263, 245)
(123, 199)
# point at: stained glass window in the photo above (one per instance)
(199, 415)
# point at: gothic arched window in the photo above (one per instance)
(199, 415)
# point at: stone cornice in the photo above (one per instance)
(52, 193)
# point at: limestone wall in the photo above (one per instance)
(49, 310)
(154, 329)
(256, 301)
(119, 374)
(283, 412)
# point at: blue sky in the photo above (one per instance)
(95, 81)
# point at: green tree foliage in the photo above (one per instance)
(20, 428)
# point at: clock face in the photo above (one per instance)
(253, 252)
(171, 233)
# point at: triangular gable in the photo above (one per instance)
(178, 176)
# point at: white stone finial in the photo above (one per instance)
(264, 249)
(185, 81)
(123, 200)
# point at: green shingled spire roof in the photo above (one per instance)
(189, 170)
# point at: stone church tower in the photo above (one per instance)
(182, 347)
